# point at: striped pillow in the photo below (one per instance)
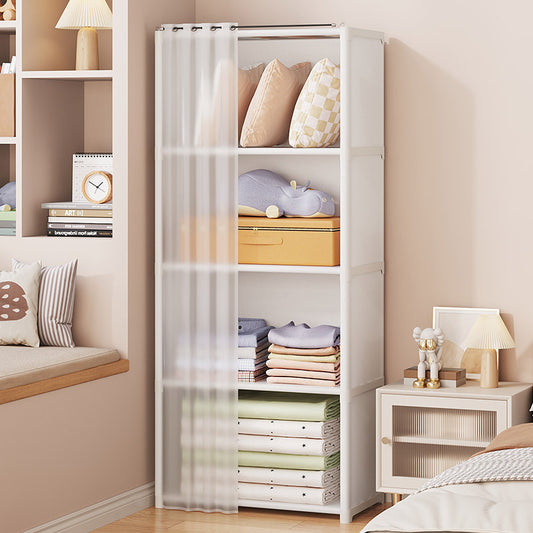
(56, 303)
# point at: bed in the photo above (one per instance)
(492, 492)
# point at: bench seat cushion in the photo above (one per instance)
(21, 365)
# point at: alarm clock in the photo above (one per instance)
(97, 187)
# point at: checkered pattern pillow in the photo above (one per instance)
(316, 119)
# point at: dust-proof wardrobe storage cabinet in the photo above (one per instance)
(349, 295)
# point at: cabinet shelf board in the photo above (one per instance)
(288, 150)
(411, 439)
(98, 242)
(8, 140)
(290, 269)
(332, 508)
(279, 387)
(74, 75)
(8, 26)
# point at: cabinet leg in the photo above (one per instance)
(396, 498)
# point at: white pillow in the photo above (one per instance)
(19, 297)
(316, 118)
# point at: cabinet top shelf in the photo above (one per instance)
(275, 387)
(470, 389)
(290, 269)
(8, 26)
(76, 75)
(306, 33)
(288, 150)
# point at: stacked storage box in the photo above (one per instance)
(289, 447)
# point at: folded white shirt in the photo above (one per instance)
(293, 445)
(289, 428)
(284, 476)
(281, 493)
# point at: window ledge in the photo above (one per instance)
(66, 380)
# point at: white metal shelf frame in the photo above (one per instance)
(359, 158)
(356, 285)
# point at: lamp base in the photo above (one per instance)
(87, 49)
(489, 370)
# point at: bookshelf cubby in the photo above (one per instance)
(60, 110)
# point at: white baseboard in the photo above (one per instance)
(102, 513)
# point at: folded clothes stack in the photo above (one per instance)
(253, 349)
(289, 447)
(301, 355)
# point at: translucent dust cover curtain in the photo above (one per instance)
(196, 271)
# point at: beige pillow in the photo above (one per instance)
(269, 115)
(248, 81)
(316, 119)
(56, 303)
(19, 296)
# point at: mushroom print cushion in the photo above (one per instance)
(19, 295)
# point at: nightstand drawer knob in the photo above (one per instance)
(385, 440)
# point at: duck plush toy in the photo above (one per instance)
(265, 193)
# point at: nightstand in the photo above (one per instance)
(421, 432)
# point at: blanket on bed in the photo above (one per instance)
(489, 493)
(502, 465)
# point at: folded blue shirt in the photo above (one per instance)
(302, 336)
(252, 332)
(249, 325)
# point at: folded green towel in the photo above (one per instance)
(288, 406)
(310, 358)
(289, 460)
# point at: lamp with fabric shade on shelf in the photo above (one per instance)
(489, 333)
(86, 16)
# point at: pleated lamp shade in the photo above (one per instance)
(489, 332)
(86, 14)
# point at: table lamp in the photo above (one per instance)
(85, 16)
(488, 334)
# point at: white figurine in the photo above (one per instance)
(429, 342)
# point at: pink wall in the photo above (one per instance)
(69, 449)
(459, 110)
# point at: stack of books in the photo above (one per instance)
(252, 362)
(71, 219)
(8, 222)
(449, 377)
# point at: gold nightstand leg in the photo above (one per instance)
(396, 498)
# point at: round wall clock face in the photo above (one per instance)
(97, 187)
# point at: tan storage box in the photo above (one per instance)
(289, 241)
(7, 105)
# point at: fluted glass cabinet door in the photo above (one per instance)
(423, 436)
(196, 271)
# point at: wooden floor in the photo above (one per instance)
(153, 520)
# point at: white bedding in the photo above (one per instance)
(489, 493)
(493, 507)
